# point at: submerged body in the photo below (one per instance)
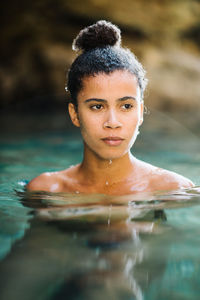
(109, 114)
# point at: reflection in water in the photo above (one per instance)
(80, 246)
(130, 263)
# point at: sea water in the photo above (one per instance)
(73, 246)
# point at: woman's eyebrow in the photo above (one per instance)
(127, 98)
(95, 99)
(103, 100)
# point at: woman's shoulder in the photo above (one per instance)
(162, 180)
(48, 181)
(52, 181)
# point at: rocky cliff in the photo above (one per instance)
(36, 39)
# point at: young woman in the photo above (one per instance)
(106, 83)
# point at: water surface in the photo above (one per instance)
(72, 246)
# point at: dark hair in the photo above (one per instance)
(101, 49)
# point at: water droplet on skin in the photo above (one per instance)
(54, 187)
(106, 182)
(110, 161)
(77, 192)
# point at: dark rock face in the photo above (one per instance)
(36, 39)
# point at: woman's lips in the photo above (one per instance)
(113, 140)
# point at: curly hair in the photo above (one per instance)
(101, 52)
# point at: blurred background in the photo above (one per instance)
(35, 53)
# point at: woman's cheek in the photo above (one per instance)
(92, 123)
(87, 127)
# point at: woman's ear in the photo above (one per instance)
(141, 112)
(73, 114)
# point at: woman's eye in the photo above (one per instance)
(127, 106)
(96, 106)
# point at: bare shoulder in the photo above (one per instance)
(167, 180)
(48, 181)
(56, 182)
(159, 179)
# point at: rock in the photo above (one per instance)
(36, 49)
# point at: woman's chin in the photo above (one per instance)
(112, 155)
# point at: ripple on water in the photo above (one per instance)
(66, 205)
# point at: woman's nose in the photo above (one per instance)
(112, 120)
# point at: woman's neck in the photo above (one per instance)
(106, 171)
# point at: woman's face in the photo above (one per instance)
(109, 113)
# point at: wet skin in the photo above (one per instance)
(110, 111)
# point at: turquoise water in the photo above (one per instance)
(70, 246)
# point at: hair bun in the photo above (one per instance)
(100, 34)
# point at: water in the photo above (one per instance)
(73, 246)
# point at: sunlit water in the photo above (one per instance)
(73, 246)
